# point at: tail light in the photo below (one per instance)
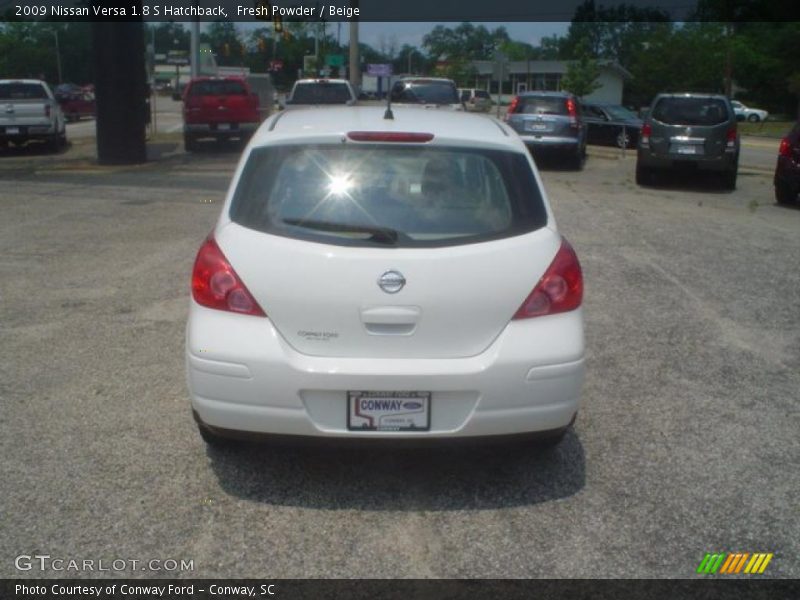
(47, 109)
(216, 285)
(572, 111)
(512, 108)
(785, 147)
(644, 136)
(731, 139)
(559, 290)
(389, 136)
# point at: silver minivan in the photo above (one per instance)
(689, 132)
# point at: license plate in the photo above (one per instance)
(12, 130)
(223, 127)
(686, 149)
(537, 126)
(388, 411)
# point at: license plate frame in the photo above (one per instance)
(686, 149)
(538, 127)
(398, 411)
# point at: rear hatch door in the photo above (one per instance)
(690, 128)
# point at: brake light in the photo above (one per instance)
(389, 136)
(785, 147)
(572, 111)
(512, 108)
(216, 285)
(559, 290)
(731, 138)
(644, 136)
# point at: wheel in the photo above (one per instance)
(729, 179)
(644, 176)
(784, 194)
(753, 118)
(577, 159)
(189, 143)
(62, 140)
(53, 144)
(212, 439)
(623, 140)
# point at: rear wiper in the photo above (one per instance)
(385, 235)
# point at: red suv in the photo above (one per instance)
(787, 171)
(221, 108)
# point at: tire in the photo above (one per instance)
(729, 179)
(784, 194)
(212, 439)
(577, 159)
(189, 143)
(53, 144)
(644, 176)
(753, 118)
(623, 141)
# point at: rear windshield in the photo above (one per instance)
(321, 93)
(691, 111)
(381, 194)
(481, 94)
(22, 91)
(221, 87)
(542, 105)
(425, 92)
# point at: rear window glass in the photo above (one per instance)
(381, 194)
(218, 88)
(542, 105)
(691, 111)
(425, 92)
(321, 93)
(481, 94)
(22, 91)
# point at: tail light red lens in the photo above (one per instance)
(389, 136)
(216, 285)
(785, 148)
(559, 290)
(731, 137)
(644, 137)
(512, 108)
(572, 109)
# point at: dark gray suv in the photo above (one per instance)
(550, 123)
(689, 132)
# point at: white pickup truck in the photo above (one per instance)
(29, 111)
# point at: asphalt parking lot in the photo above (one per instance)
(686, 442)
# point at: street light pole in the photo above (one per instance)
(58, 55)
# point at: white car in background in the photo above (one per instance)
(30, 112)
(381, 278)
(745, 113)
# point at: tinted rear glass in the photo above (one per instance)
(542, 105)
(22, 91)
(481, 94)
(354, 195)
(321, 93)
(218, 88)
(425, 92)
(691, 111)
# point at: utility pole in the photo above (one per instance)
(194, 45)
(355, 60)
(58, 56)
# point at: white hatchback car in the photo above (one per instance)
(385, 279)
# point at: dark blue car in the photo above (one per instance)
(611, 124)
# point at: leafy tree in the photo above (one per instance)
(581, 76)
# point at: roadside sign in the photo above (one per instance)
(334, 60)
(276, 65)
(379, 70)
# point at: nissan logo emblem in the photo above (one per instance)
(391, 282)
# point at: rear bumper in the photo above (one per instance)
(723, 162)
(27, 132)
(551, 143)
(244, 377)
(215, 129)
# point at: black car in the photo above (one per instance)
(787, 171)
(612, 124)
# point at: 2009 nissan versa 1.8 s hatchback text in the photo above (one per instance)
(385, 278)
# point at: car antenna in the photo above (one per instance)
(389, 114)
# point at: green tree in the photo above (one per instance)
(582, 73)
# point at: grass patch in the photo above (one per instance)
(769, 129)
